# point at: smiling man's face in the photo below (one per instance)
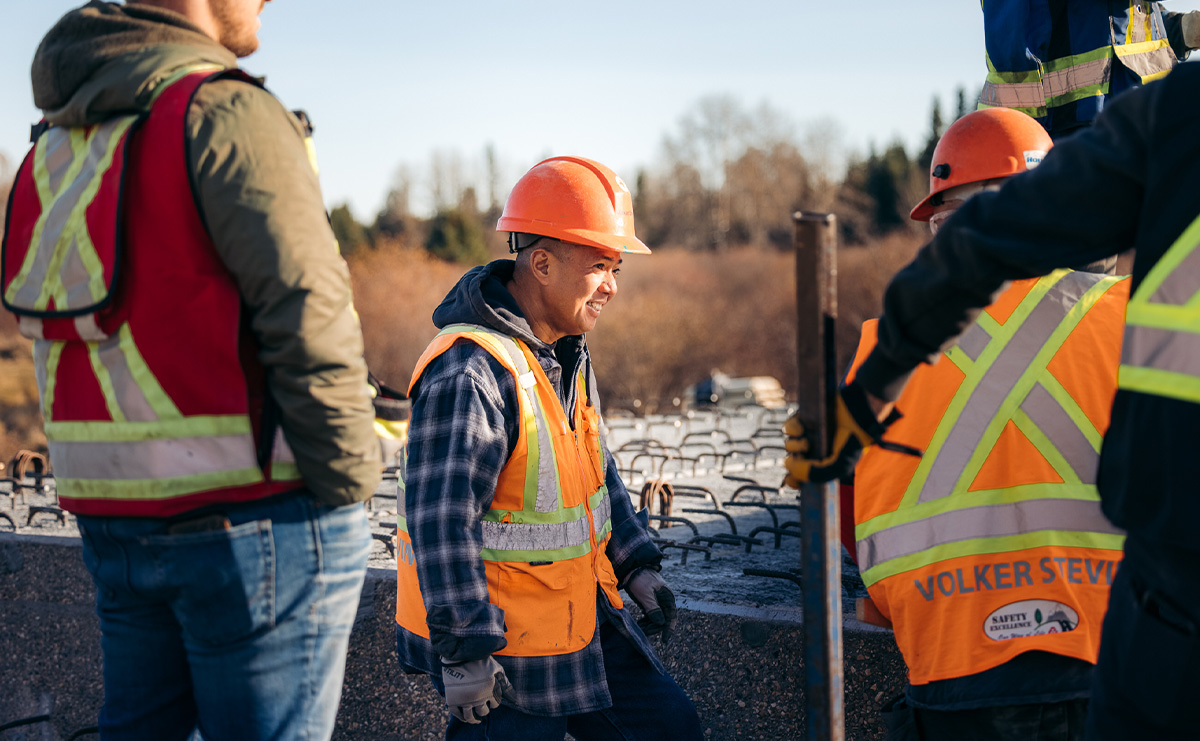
(583, 280)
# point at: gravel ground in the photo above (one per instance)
(737, 650)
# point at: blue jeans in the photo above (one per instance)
(647, 706)
(239, 632)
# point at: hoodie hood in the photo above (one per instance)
(480, 297)
(105, 59)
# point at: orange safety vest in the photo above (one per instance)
(544, 536)
(153, 397)
(993, 543)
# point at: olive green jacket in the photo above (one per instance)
(260, 199)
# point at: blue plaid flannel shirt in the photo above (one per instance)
(462, 431)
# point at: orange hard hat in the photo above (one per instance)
(574, 200)
(985, 144)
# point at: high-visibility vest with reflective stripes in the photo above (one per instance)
(1113, 45)
(545, 534)
(1161, 355)
(993, 543)
(153, 396)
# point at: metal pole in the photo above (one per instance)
(821, 569)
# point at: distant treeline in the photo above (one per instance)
(728, 176)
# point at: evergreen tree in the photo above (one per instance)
(457, 236)
(349, 233)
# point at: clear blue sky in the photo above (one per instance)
(390, 82)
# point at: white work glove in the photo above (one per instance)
(474, 688)
(1190, 25)
(651, 593)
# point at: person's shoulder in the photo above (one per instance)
(243, 105)
(464, 362)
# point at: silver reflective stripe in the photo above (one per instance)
(280, 452)
(153, 459)
(991, 521)
(41, 363)
(32, 328)
(1165, 349)
(998, 381)
(60, 161)
(1053, 84)
(1148, 63)
(1181, 284)
(88, 329)
(547, 490)
(974, 341)
(601, 515)
(129, 395)
(1077, 76)
(1063, 432)
(1013, 95)
(1138, 28)
(514, 536)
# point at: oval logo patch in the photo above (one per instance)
(1031, 617)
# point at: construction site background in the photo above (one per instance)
(679, 315)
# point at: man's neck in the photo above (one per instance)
(529, 300)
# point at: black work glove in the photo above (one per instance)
(651, 593)
(857, 428)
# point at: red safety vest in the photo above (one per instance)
(153, 397)
(545, 534)
(993, 543)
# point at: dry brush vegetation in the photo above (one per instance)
(678, 316)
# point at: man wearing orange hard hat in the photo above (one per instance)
(515, 530)
(989, 553)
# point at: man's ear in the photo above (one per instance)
(540, 262)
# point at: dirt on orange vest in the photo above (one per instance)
(548, 600)
(993, 543)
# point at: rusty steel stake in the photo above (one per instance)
(821, 567)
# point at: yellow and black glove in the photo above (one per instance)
(857, 428)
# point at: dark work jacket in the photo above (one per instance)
(1127, 182)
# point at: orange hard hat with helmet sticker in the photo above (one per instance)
(574, 200)
(982, 145)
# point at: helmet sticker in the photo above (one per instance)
(1033, 158)
(1031, 617)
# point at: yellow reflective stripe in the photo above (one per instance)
(1013, 520)
(311, 149)
(1072, 408)
(1140, 47)
(1136, 31)
(1075, 60)
(179, 74)
(996, 76)
(1029, 378)
(1053, 456)
(53, 356)
(1001, 335)
(1159, 382)
(100, 431)
(980, 498)
(106, 383)
(1180, 250)
(162, 405)
(75, 228)
(157, 488)
(1162, 316)
(46, 196)
(391, 429)
(988, 546)
(284, 471)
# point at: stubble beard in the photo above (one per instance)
(239, 32)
